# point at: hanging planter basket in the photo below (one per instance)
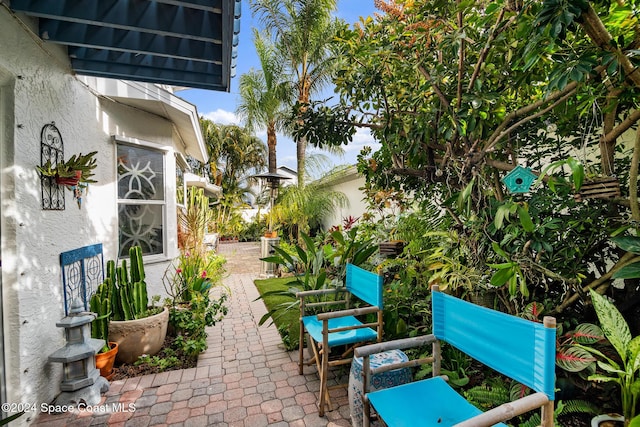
(601, 188)
(391, 249)
(70, 181)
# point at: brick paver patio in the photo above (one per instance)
(244, 379)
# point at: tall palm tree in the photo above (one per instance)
(265, 95)
(238, 155)
(303, 30)
(232, 150)
(242, 153)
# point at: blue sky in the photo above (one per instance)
(220, 106)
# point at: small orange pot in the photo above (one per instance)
(104, 361)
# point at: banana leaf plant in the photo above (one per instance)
(311, 266)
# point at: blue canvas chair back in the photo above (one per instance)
(365, 285)
(518, 348)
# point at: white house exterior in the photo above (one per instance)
(348, 183)
(129, 124)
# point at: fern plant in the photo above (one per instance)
(488, 396)
(564, 408)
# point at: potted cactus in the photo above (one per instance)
(79, 168)
(137, 328)
(101, 305)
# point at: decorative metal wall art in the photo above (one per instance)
(51, 148)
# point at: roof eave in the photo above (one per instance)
(156, 100)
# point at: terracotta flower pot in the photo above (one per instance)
(104, 361)
(71, 181)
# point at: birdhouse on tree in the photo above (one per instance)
(519, 180)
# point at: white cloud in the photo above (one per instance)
(222, 117)
(288, 161)
(361, 139)
(262, 134)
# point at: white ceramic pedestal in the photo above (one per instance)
(377, 381)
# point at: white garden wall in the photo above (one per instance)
(350, 185)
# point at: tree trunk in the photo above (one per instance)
(271, 145)
(633, 179)
(301, 149)
(607, 147)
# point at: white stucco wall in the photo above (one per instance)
(349, 185)
(36, 88)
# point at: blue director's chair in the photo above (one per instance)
(518, 348)
(343, 327)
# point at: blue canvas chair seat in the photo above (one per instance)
(349, 336)
(419, 408)
(520, 349)
(344, 327)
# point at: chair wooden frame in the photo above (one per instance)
(339, 327)
(540, 359)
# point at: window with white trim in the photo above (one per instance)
(181, 188)
(141, 199)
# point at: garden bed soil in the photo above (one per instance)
(575, 420)
(131, 370)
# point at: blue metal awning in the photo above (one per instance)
(191, 43)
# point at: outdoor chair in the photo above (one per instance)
(340, 328)
(518, 348)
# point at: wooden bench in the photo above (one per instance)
(517, 348)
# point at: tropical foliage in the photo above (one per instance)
(503, 84)
(197, 298)
(193, 221)
(299, 210)
(460, 93)
(193, 273)
(624, 372)
(193, 281)
(236, 155)
(315, 264)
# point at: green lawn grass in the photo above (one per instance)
(288, 323)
